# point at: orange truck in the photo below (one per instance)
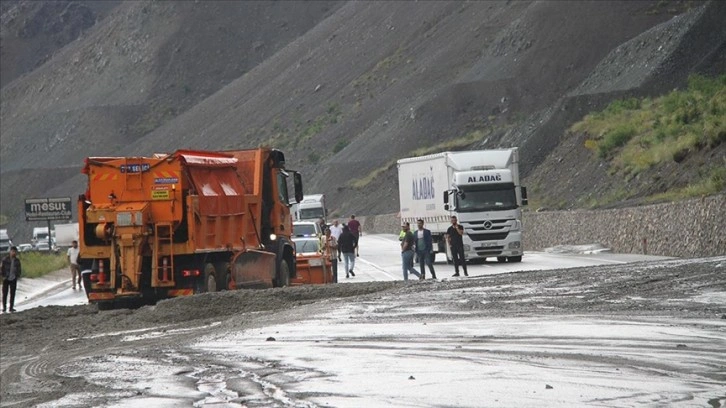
(188, 222)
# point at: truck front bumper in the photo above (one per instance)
(509, 246)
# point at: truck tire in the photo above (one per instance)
(502, 259)
(224, 278)
(515, 259)
(210, 278)
(283, 274)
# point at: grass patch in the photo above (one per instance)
(635, 134)
(37, 264)
(340, 145)
(331, 116)
(715, 181)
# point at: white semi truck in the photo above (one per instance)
(481, 188)
(311, 208)
(41, 234)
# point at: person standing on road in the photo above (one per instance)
(347, 244)
(72, 255)
(455, 238)
(335, 230)
(10, 272)
(330, 250)
(323, 226)
(356, 230)
(407, 245)
(425, 249)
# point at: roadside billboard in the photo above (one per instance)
(47, 209)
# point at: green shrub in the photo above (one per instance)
(340, 145)
(635, 134)
(314, 158)
(617, 137)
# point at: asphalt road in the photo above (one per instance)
(380, 260)
(564, 329)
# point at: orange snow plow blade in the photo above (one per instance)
(253, 269)
(313, 269)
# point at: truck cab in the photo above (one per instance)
(311, 208)
(487, 202)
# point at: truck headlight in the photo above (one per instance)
(516, 225)
(515, 245)
(273, 237)
(467, 248)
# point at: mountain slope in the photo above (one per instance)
(348, 90)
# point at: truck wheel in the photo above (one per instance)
(224, 276)
(515, 259)
(283, 277)
(210, 278)
(105, 305)
(502, 259)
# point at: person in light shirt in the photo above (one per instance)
(73, 252)
(330, 250)
(335, 230)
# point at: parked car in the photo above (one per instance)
(25, 247)
(306, 245)
(306, 229)
(44, 247)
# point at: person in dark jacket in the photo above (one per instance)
(10, 272)
(347, 244)
(425, 249)
(455, 237)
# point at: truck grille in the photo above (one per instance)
(490, 236)
(490, 251)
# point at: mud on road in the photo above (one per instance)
(44, 349)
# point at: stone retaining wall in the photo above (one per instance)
(692, 228)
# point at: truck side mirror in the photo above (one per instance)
(524, 195)
(446, 198)
(297, 177)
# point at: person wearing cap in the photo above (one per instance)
(10, 272)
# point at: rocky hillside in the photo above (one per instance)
(345, 88)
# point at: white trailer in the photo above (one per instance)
(481, 188)
(65, 234)
(311, 208)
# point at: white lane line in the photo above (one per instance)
(377, 268)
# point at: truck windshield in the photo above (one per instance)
(311, 213)
(490, 198)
